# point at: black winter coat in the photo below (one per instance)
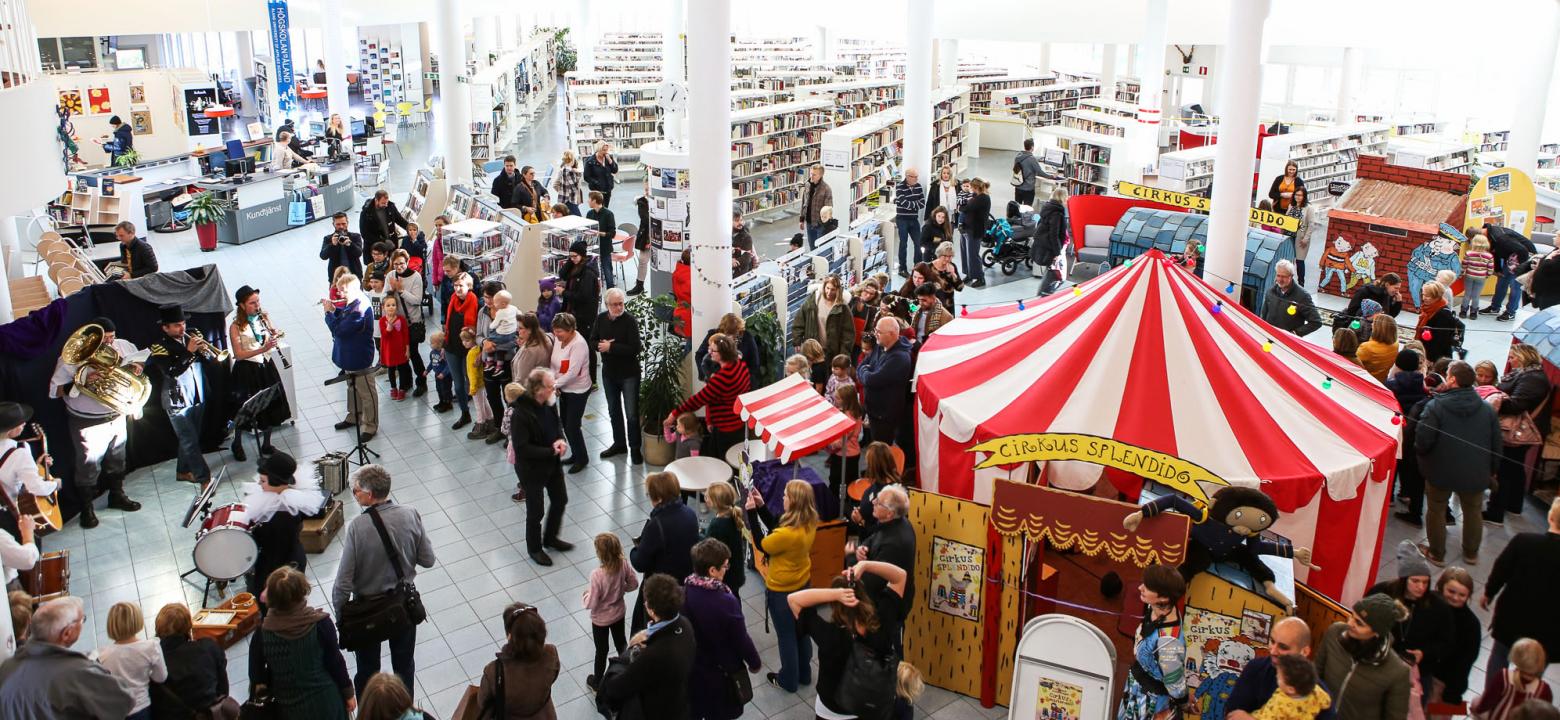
(1425, 629)
(1373, 291)
(504, 188)
(1525, 585)
(657, 676)
(1444, 330)
(746, 345)
(976, 214)
(1050, 235)
(622, 361)
(582, 296)
(1453, 669)
(1458, 441)
(1505, 242)
(1546, 282)
(642, 239)
(197, 678)
(664, 543)
(599, 175)
(1527, 390)
(528, 195)
(373, 231)
(532, 431)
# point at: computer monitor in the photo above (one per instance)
(238, 166)
(215, 159)
(357, 128)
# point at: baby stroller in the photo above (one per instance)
(1007, 240)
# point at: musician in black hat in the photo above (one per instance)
(18, 470)
(99, 431)
(175, 361)
(276, 505)
(254, 364)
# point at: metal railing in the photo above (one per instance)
(18, 45)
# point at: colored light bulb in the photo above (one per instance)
(1425, 335)
(1354, 325)
(1267, 346)
(1077, 292)
(1290, 310)
(1327, 384)
(1229, 289)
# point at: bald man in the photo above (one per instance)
(1258, 682)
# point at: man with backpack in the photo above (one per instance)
(1025, 168)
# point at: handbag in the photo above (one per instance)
(260, 707)
(1520, 430)
(369, 620)
(868, 686)
(738, 686)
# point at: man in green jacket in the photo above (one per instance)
(1356, 660)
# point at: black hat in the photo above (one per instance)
(579, 247)
(169, 314)
(1408, 360)
(105, 323)
(13, 414)
(244, 293)
(278, 468)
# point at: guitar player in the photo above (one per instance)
(18, 469)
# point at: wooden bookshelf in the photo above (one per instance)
(771, 149)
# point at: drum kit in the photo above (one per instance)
(225, 549)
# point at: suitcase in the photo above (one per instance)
(317, 533)
(233, 620)
(331, 469)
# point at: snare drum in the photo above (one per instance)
(49, 578)
(224, 549)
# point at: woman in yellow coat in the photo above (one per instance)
(789, 549)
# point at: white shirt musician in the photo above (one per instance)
(18, 470)
(99, 432)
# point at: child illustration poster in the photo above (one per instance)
(957, 570)
(137, 94)
(1057, 700)
(141, 122)
(98, 102)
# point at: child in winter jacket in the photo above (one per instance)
(548, 304)
(394, 339)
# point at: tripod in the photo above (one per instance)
(360, 448)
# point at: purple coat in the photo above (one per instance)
(723, 643)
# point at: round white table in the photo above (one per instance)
(757, 452)
(696, 474)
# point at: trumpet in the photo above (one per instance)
(270, 330)
(205, 349)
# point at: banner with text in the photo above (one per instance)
(281, 48)
(1182, 475)
(1200, 204)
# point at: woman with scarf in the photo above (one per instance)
(724, 648)
(276, 505)
(254, 367)
(1527, 391)
(295, 658)
(1438, 326)
(1156, 682)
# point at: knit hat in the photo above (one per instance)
(1378, 611)
(579, 247)
(1411, 562)
(1408, 360)
(548, 284)
(1369, 308)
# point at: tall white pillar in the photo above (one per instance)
(674, 68)
(918, 88)
(1132, 66)
(583, 27)
(1044, 62)
(1144, 145)
(490, 27)
(1346, 79)
(454, 98)
(1533, 90)
(10, 262)
(1108, 72)
(336, 99)
(821, 50)
(948, 57)
(1234, 159)
(709, 160)
(509, 31)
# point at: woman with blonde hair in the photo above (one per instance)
(135, 661)
(1378, 354)
(1527, 392)
(788, 544)
(1438, 326)
(726, 526)
(566, 182)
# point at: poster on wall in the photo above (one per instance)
(141, 122)
(137, 94)
(70, 100)
(196, 100)
(1218, 647)
(1057, 700)
(956, 572)
(98, 101)
(1505, 196)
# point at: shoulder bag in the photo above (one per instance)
(870, 681)
(369, 620)
(738, 686)
(1520, 429)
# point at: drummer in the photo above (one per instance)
(276, 505)
(17, 468)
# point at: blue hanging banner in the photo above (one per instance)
(281, 49)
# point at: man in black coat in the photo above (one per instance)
(377, 223)
(1387, 291)
(655, 683)
(615, 335)
(1526, 585)
(134, 253)
(1259, 680)
(504, 183)
(1458, 443)
(601, 172)
(537, 437)
(1511, 251)
(885, 376)
(341, 248)
(890, 540)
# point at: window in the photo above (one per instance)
(49, 53)
(1384, 230)
(78, 52)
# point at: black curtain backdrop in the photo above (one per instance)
(151, 436)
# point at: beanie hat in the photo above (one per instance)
(1411, 562)
(548, 284)
(580, 248)
(1408, 360)
(1378, 611)
(1369, 308)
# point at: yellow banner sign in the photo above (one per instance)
(1182, 475)
(1200, 204)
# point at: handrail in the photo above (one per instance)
(19, 63)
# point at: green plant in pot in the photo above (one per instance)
(127, 158)
(206, 210)
(564, 57)
(765, 330)
(661, 390)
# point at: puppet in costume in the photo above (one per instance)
(1230, 531)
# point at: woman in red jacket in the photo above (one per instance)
(719, 398)
(682, 291)
(460, 312)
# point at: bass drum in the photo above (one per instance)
(224, 549)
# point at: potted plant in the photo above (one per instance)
(661, 384)
(128, 158)
(764, 327)
(564, 57)
(206, 210)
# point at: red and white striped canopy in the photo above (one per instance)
(792, 418)
(1139, 356)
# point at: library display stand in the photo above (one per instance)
(1323, 155)
(666, 177)
(1188, 171)
(1042, 106)
(388, 76)
(861, 158)
(950, 128)
(981, 90)
(1092, 162)
(1127, 89)
(622, 113)
(480, 244)
(858, 98)
(539, 250)
(427, 199)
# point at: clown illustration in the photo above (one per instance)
(1363, 265)
(1335, 261)
(1220, 675)
(1430, 258)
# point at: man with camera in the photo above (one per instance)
(341, 248)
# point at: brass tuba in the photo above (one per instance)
(116, 388)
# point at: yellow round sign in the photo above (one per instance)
(1505, 196)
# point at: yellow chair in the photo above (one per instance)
(379, 120)
(404, 110)
(379, 106)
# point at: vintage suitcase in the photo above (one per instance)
(229, 622)
(317, 533)
(331, 469)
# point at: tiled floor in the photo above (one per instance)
(460, 487)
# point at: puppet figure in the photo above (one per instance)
(1229, 531)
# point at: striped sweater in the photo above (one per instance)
(719, 397)
(910, 199)
(1478, 264)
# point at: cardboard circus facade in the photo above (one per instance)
(1140, 374)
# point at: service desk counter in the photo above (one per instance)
(261, 199)
(143, 189)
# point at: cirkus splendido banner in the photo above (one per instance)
(1181, 475)
(1200, 204)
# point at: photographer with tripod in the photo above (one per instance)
(342, 248)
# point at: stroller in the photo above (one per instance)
(1007, 240)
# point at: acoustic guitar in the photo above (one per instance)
(44, 509)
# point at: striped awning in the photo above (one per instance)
(791, 418)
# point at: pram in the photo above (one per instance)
(1007, 239)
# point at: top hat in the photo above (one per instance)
(169, 314)
(278, 468)
(13, 414)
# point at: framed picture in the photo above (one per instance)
(141, 122)
(98, 101)
(137, 94)
(957, 570)
(70, 99)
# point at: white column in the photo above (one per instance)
(1132, 65)
(1346, 79)
(481, 42)
(1108, 72)
(509, 31)
(821, 50)
(454, 96)
(674, 68)
(1151, 70)
(10, 262)
(948, 55)
(709, 159)
(1045, 58)
(1234, 159)
(583, 27)
(335, 59)
(1533, 86)
(918, 88)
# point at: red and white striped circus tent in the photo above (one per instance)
(1147, 355)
